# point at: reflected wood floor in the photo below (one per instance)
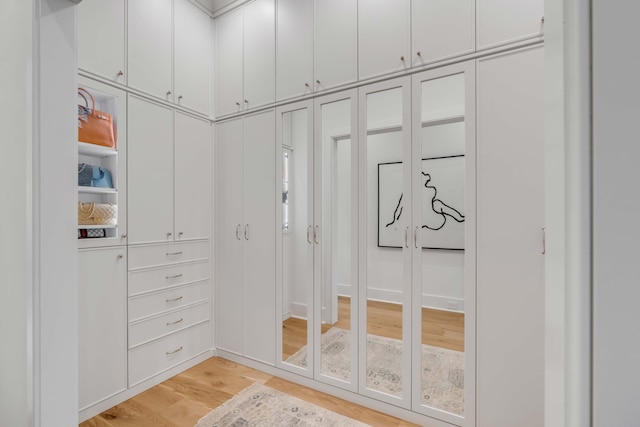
(440, 328)
(182, 400)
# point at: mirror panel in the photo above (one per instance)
(387, 216)
(297, 247)
(442, 198)
(338, 278)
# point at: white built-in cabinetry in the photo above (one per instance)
(170, 188)
(245, 230)
(167, 45)
(501, 22)
(336, 42)
(383, 48)
(245, 61)
(101, 39)
(102, 329)
(294, 65)
(169, 306)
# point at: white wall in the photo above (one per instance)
(616, 210)
(16, 384)
(55, 213)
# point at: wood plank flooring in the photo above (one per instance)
(182, 400)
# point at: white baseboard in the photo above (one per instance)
(344, 289)
(384, 295)
(298, 310)
(443, 303)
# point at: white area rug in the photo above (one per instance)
(262, 406)
(442, 376)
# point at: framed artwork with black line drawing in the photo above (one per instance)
(442, 199)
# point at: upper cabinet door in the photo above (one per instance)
(294, 48)
(101, 38)
(441, 29)
(150, 174)
(383, 33)
(506, 21)
(259, 53)
(192, 177)
(192, 59)
(228, 63)
(336, 42)
(149, 53)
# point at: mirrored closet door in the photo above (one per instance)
(443, 243)
(385, 239)
(336, 216)
(296, 238)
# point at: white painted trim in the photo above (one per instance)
(345, 290)
(439, 302)
(299, 310)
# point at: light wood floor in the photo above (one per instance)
(182, 400)
(439, 328)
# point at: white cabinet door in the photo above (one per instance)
(228, 63)
(510, 215)
(259, 53)
(192, 177)
(102, 324)
(294, 65)
(149, 47)
(441, 29)
(506, 21)
(150, 172)
(101, 41)
(230, 296)
(192, 59)
(383, 35)
(336, 42)
(260, 238)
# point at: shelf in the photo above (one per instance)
(97, 190)
(96, 150)
(95, 227)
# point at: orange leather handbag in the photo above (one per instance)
(94, 127)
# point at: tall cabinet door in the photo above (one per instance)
(229, 63)
(149, 46)
(101, 41)
(192, 61)
(230, 295)
(259, 53)
(102, 326)
(192, 177)
(294, 65)
(506, 21)
(510, 219)
(383, 36)
(336, 42)
(441, 29)
(150, 172)
(260, 234)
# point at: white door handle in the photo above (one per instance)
(315, 234)
(309, 234)
(406, 237)
(238, 231)
(415, 237)
(246, 232)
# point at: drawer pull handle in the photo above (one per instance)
(174, 253)
(169, 353)
(174, 300)
(175, 323)
(173, 277)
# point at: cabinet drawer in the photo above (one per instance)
(141, 281)
(150, 329)
(158, 356)
(170, 253)
(159, 302)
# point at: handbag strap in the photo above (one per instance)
(86, 209)
(84, 93)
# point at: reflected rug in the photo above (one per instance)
(442, 376)
(262, 406)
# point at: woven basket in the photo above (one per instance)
(97, 214)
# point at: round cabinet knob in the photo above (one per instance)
(318, 81)
(246, 101)
(180, 98)
(238, 104)
(402, 58)
(120, 256)
(306, 84)
(124, 236)
(120, 73)
(419, 54)
(168, 92)
(169, 234)
(542, 20)
(180, 234)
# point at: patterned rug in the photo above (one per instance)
(442, 377)
(262, 406)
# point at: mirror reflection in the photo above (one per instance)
(337, 278)
(387, 220)
(442, 198)
(297, 248)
